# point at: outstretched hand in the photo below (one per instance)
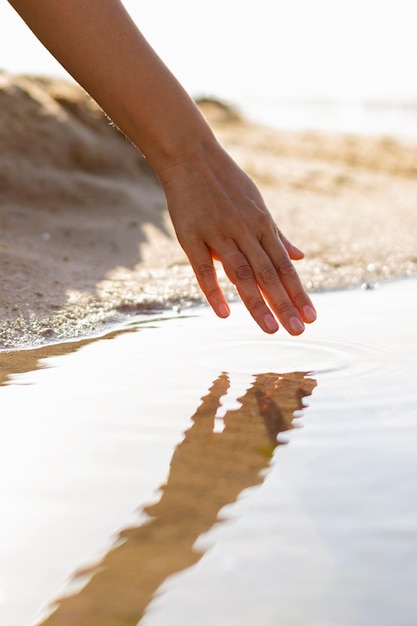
(218, 213)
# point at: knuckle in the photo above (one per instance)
(264, 220)
(300, 299)
(268, 275)
(286, 309)
(257, 305)
(205, 270)
(286, 268)
(243, 272)
(212, 294)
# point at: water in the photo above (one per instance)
(385, 117)
(322, 530)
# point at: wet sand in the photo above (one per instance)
(85, 238)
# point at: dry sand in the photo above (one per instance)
(85, 238)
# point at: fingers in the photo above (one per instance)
(240, 273)
(259, 282)
(202, 263)
(266, 278)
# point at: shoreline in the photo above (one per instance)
(17, 361)
(86, 241)
(50, 344)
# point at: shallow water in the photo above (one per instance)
(321, 531)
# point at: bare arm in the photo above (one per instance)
(217, 211)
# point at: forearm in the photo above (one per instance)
(101, 47)
(217, 211)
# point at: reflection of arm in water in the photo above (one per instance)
(208, 470)
(217, 211)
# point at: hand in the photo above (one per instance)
(218, 213)
(216, 209)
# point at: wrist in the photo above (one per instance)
(191, 143)
(197, 149)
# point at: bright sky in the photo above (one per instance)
(313, 48)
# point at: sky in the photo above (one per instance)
(299, 48)
(304, 48)
(250, 51)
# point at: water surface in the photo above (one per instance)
(149, 464)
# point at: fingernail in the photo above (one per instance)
(298, 250)
(309, 314)
(270, 323)
(223, 310)
(296, 325)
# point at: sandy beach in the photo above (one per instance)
(85, 238)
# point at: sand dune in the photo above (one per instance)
(85, 237)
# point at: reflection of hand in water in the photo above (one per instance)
(208, 470)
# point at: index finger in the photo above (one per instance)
(201, 261)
